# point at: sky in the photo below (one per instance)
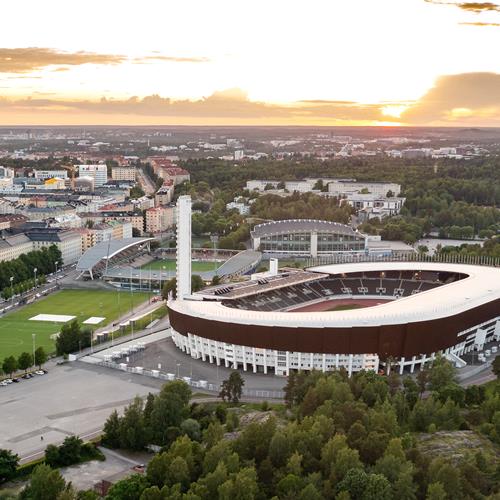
(242, 62)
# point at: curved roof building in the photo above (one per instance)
(107, 253)
(306, 238)
(352, 315)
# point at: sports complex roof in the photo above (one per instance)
(301, 225)
(240, 263)
(481, 286)
(107, 250)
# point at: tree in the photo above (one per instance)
(45, 484)
(495, 366)
(441, 373)
(40, 357)
(436, 491)
(197, 283)
(69, 339)
(9, 365)
(8, 465)
(25, 361)
(232, 388)
(129, 488)
(132, 429)
(169, 286)
(112, 430)
(70, 451)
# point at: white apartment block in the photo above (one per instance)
(378, 204)
(98, 172)
(343, 187)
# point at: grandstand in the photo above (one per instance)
(97, 259)
(406, 311)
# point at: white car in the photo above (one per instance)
(3, 383)
(40, 372)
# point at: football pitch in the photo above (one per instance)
(169, 265)
(16, 329)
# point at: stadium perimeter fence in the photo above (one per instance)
(196, 384)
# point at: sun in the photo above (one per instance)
(394, 110)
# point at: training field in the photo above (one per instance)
(16, 327)
(169, 265)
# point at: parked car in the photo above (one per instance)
(8, 381)
(3, 383)
(40, 372)
(16, 380)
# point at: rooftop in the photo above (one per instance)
(307, 225)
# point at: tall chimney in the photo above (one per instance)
(183, 247)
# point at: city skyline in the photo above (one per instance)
(417, 62)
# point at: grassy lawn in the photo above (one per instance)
(169, 265)
(16, 329)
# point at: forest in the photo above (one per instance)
(368, 437)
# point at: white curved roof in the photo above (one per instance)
(106, 250)
(302, 225)
(482, 285)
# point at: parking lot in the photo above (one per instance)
(71, 399)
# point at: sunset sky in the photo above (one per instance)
(315, 62)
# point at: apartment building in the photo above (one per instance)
(123, 173)
(159, 219)
(98, 172)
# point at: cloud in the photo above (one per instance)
(479, 24)
(479, 7)
(28, 59)
(462, 98)
(231, 105)
(24, 60)
(175, 59)
(475, 7)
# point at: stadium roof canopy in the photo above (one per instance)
(481, 286)
(301, 225)
(241, 263)
(105, 251)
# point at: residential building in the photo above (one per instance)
(135, 218)
(123, 173)
(159, 219)
(165, 194)
(98, 172)
(11, 247)
(176, 174)
(6, 173)
(68, 241)
(370, 206)
(240, 205)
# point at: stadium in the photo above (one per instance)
(356, 316)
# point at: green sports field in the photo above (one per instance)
(16, 330)
(169, 265)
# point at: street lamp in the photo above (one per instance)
(34, 272)
(11, 289)
(33, 335)
(56, 263)
(178, 372)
